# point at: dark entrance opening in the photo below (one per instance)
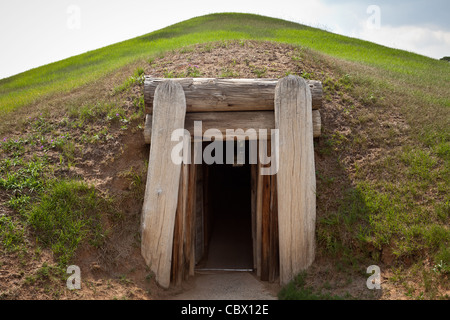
(228, 218)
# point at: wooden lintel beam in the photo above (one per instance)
(211, 94)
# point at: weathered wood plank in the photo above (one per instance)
(259, 205)
(296, 182)
(274, 261)
(163, 179)
(199, 234)
(190, 223)
(265, 226)
(232, 120)
(254, 179)
(210, 94)
(179, 232)
(206, 208)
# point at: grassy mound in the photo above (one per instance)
(382, 161)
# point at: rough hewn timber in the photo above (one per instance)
(189, 250)
(163, 179)
(211, 94)
(296, 183)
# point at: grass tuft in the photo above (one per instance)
(66, 216)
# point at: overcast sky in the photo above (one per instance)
(37, 32)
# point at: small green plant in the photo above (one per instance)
(13, 145)
(124, 280)
(19, 202)
(193, 71)
(330, 86)
(346, 82)
(169, 74)
(259, 72)
(186, 50)
(228, 73)
(297, 290)
(369, 99)
(420, 163)
(136, 79)
(223, 44)
(208, 48)
(115, 115)
(441, 267)
(11, 235)
(306, 75)
(25, 179)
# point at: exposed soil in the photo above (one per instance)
(116, 270)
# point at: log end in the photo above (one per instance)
(169, 88)
(292, 81)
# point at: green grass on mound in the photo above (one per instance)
(65, 75)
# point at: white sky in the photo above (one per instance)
(37, 32)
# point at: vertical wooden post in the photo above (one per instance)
(206, 208)
(274, 261)
(265, 228)
(190, 223)
(265, 217)
(199, 232)
(177, 269)
(296, 184)
(254, 186)
(163, 180)
(258, 227)
(269, 225)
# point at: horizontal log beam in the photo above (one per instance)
(231, 120)
(210, 94)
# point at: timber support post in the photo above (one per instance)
(296, 180)
(163, 181)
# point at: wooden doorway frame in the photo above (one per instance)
(283, 205)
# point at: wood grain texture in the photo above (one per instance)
(258, 222)
(199, 237)
(211, 94)
(233, 120)
(296, 184)
(254, 186)
(207, 221)
(265, 228)
(163, 180)
(179, 231)
(274, 261)
(189, 244)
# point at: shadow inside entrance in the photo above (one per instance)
(230, 246)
